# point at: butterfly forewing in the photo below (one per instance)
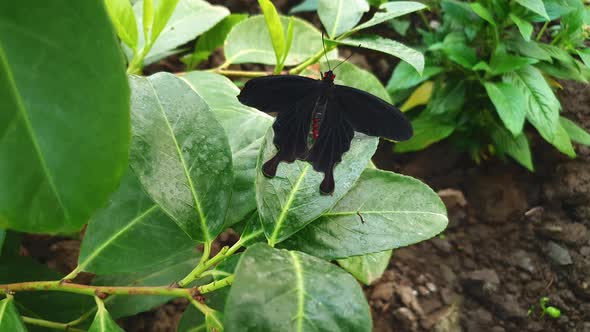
(277, 93)
(371, 115)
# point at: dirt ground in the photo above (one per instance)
(513, 238)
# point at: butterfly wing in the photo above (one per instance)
(371, 115)
(276, 93)
(333, 141)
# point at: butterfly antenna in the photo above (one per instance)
(325, 53)
(343, 61)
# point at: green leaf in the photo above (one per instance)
(483, 12)
(55, 306)
(340, 16)
(288, 42)
(405, 76)
(556, 52)
(530, 49)
(180, 154)
(461, 13)
(249, 42)
(292, 199)
(510, 104)
(121, 14)
(426, 132)
(213, 39)
(524, 27)
(294, 292)
(585, 56)
(562, 141)
(245, 128)
(64, 118)
(103, 321)
(192, 320)
(367, 268)
(132, 221)
(305, 6)
(542, 106)
(516, 147)
(458, 52)
(390, 10)
(502, 62)
(147, 18)
(389, 46)
(397, 211)
(163, 12)
(575, 132)
(182, 23)
(275, 30)
(536, 6)
(448, 98)
(9, 317)
(172, 271)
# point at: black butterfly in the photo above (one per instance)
(316, 119)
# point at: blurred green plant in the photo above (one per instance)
(546, 309)
(489, 70)
(178, 160)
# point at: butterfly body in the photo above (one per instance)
(316, 120)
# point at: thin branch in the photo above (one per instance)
(50, 324)
(227, 281)
(240, 73)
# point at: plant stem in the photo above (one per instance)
(240, 73)
(217, 284)
(50, 324)
(59, 286)
(540, 34)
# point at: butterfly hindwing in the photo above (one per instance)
(371, 115)
(277, 93)
(334, 140)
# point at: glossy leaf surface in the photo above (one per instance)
(9, 317)
(245, 128)
(134, 225)
(396, 211)
(180, 154)
(340, 16)
(294, 292)
(64, 121)
(367, 268)
(391, 10)
(249, 41)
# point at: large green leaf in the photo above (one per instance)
(189, 19)
(2, 237)
(9, 318)
(542, 105)
(55, 306)
(340, 16)
(294, 292)
(134, 223)
(390, 10)
(367, 268)
(102, 321)
(516, 147)
(395, 211)
(585, 56)
(172, 271)
(292, 199)
(389, 46)
(575, 132)
(249, 41)
(529, 48)
(245, 128)
(123, 18)
(64, 118)
(180, 153)
(536, 6)
(510, 104)
(502, 62)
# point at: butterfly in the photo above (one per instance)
(316, 119)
